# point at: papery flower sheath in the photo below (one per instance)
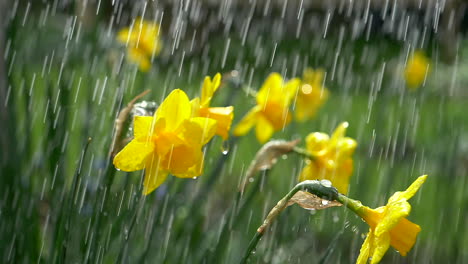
(201, 107)
(272, 110)
(171, 141)
(332, 158)
(311, 94)
(416, 70)
(143, 42)
(389, 226)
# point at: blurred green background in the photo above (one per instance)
(65, 78)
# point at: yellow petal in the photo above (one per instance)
(142, 126)
(340, 176)
(124, 35)
(271, 89)
(339, 133)
(309, 172)
(199, 130)
(346, 146)
(247, 122)
(381, 245)
(317, 142)
(394, 212)
(223, 115)
(416, 70)
(133, 156)
(366, 249)
(289, 90)
(264, 129)
(414, 187)
(138, 57)
(195, 103)
(403, 236)
(154, 176)
(175, 109)
(209, 88)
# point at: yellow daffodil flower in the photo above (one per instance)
(201, 107)
(311, 94)
(416, 70)
(388, 225)
(272, 110)
(142, 40)
(332, 158)
(169, 142)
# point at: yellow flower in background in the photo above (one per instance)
(171, 141)
(201, 107)
(416, 70)
(272, 110)
(332, 158)
(389, 226)
(311, 95)
(142, 40)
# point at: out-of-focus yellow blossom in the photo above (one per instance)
(169, 142)
(388, 225)
(201, 107)
(332, 158)
(142, 40)
(272, 110)
(311, 94)
(416, 70)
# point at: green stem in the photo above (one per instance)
(319, 188)
(352, 204)
(303, 153)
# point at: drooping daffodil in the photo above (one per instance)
(388, 224)
(272, 110)
(171, 141)
(201, 107)
(142, 41)
(416, 70)
(311, 94)
(332, 158)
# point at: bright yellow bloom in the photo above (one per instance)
(332, 158)
(272, 110)
(311, 94)
(416, 70)
(169, 142)
(389, 226)
(142, 40)
(201, 107)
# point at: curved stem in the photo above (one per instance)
(319, 188)
(303, 153)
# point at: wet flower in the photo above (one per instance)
(416, 70)
(311, 94)
(142, 41)
(169, 142)
(332, 158)
(201, 107)
(272, 110)
(389, 226)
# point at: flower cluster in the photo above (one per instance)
(272, 111)
(332, 158)
(171, 141)
(142, 41)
